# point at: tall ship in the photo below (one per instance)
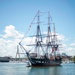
(46, 47)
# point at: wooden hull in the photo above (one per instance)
(44, 62)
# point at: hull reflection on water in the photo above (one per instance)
(22, 69)
(66, 69)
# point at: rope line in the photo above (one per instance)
(29, 28)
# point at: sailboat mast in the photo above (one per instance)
(54, 39)
(49, 29)
(49, 33)
(38, 28)
(38, 39)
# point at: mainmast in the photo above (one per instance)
(49, 29)
(48, 34)
(51, 39)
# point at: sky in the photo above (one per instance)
(17, 15)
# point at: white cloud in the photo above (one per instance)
(60, 37)
(10, 40)
(71, 51)
(11, 32)
(8, 47)
(68, 49)
(73, 44)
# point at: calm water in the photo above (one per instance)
(21, 69)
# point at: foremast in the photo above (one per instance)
(38, 36)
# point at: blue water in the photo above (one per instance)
(22, 69)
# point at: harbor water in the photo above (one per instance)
(22, 69)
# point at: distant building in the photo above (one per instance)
(64, 54)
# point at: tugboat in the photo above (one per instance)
(44, 53)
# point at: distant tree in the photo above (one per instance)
(74, 59)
